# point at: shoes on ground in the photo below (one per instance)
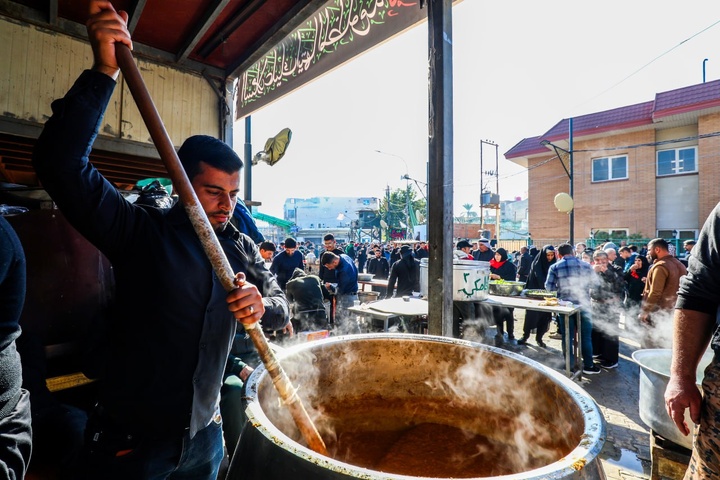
(540, 343)
(608, 365)
(597, 355)
(522, 341)
(592, 370)
(555, 336)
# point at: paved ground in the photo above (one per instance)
(626, 454)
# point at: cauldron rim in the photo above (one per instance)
(585, 453)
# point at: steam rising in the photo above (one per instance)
(481, 413)
(614, 313)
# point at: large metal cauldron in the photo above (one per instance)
(398, 401)
(654, 378)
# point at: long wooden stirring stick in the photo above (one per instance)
(210, 243)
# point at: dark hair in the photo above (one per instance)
(269, 246)
(623, 249)
(327, 237)
(658, 242)
(565, 249)
(210, 150)
(633, 248)
(290, 243)
(503, 254)
(328, 257)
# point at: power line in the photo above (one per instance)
(648, 64)
(623, 147)
(660, 143)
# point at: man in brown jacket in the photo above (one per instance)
(660, 294)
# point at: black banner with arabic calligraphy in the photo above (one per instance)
(341, 30)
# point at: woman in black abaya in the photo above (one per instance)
(536, 280)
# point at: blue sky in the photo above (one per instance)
(519, 68)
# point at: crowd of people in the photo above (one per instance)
(335, 266)
(627, 286)
(169, 404)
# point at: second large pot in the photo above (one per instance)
(399, 406)
(654, 378)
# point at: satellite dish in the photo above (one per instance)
(274, 148)
(564, 202)
(383, 224)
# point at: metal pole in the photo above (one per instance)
(572, 185)
(482, 214)
(248, 162)
(387, 213)
(440, 155)
(497, 190)
(407, 207)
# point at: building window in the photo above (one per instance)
(676, 161)
(603, 234)
(681, 235)
(609, 168)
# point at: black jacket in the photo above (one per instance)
(12, 296)
(611, 287)
(524, 265)
(379, 267)
(406, 272)
(170, 325)
(507, 271)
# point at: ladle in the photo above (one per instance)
(209, 241)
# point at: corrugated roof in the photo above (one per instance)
(528, 146)
(682, 100)
(694, 97)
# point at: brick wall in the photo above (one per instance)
(544, 182)
(470, 230)
(628, 203)
(708, 165)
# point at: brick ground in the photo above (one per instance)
(626, 453)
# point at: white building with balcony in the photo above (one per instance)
(344, 217)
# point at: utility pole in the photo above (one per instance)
(493, 173)
(407, 208)
(569, 169)
(387, 213)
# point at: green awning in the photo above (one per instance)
(278, 222)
